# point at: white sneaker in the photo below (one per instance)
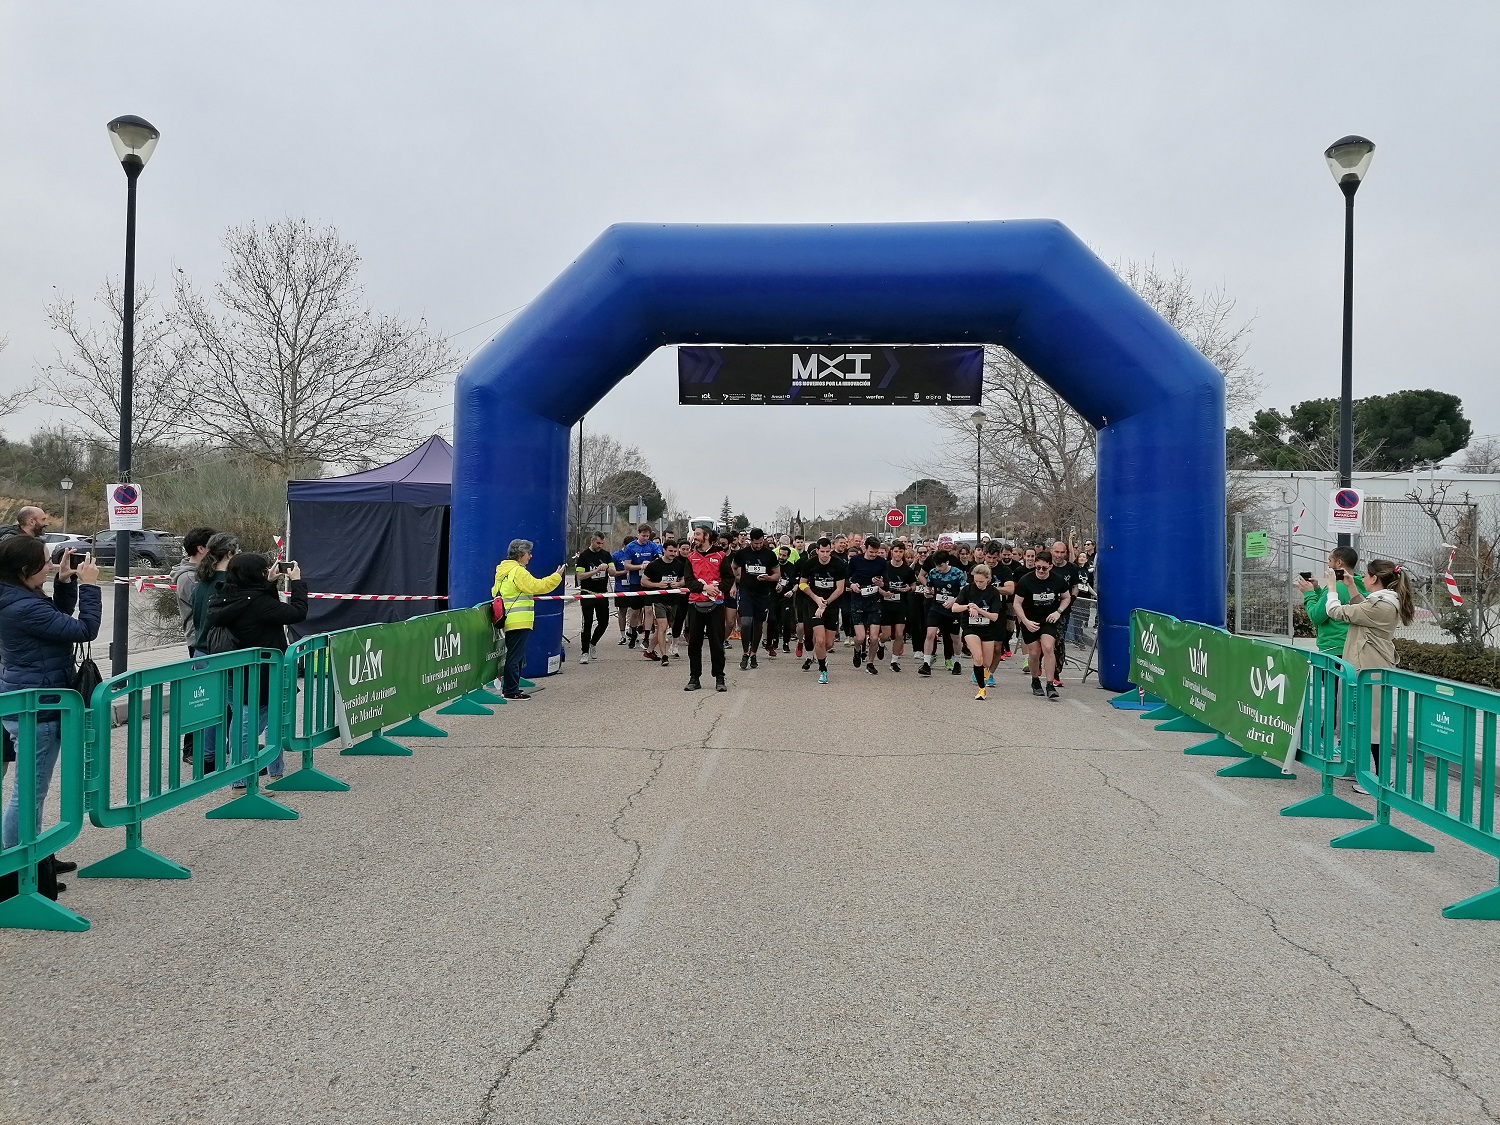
(584, 659)
(1360, 789)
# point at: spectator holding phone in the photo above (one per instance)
(37, 635)
(1330, 631)
(249, 605)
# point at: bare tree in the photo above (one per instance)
(1481, 456)
(605, 458)
(1040, 456)
(84, 377)
(289, 366)
(10, 403)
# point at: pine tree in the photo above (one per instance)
(726, 514)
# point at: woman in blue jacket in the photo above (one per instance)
(37, 635)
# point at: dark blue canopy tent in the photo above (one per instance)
(383, 531)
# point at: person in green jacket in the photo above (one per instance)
(1331, 633)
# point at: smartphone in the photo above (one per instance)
(1339, 574)
(284, 567)
(1306, 575)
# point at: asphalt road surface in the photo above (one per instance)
(875, 901)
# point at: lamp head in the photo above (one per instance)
(67, 484)
(1349, 159)
(979, 418)
(134, 139)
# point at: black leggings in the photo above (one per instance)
(595, 610)
(710, 625)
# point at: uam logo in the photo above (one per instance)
(1263, 683)
(1150, 642)
(449, 645)
(365, 666)
(1198, 659)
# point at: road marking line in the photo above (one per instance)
(1214, 789)
(1344, 872)
(629, 918)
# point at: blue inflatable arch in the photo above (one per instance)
(1031, 285)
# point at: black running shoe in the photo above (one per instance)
(1036, 688)
(806, 664)
(874, 671)
(785, 647)
(632, 638)
(693, 685)
(957, 668)
(925, 670)
(754, 663)
(744, 662)
(1052, 692)
(859, 657)
(623, 639)
(719, 684)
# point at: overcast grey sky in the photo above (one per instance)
(471, 150)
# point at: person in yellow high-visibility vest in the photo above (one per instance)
(515, 587)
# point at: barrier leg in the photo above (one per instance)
(526, 684)
(377, 744)
(1382, 836)
(418, 727)
(1216, 747)
(1161, 714)
(1186, 725)
(1255, 766)
(463, 705)
(1327, 806)
(308, 779)
(134, 861)
(1132, 701)
(1483, 907)
(484, 695)
(32, 910)
(254, 805)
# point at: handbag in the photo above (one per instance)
(219, 639)
(86, 677)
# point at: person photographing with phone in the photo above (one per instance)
(37, 635)
(1330, 631)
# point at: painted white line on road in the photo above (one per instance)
(1344, 872)
(710, 763)
(1214, 789)
(1080, 704)
(634, 910)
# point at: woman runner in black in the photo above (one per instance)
(980, 607)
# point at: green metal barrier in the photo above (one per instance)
(28, 908)
(311, 715)
(1329, 724)
(204, 699)
(1420, 722)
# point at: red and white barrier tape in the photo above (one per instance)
(147, 583)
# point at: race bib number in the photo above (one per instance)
(892, 596)
(974, 618)
(946, 599)
(868, 591)
(756, 570)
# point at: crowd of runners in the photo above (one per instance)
(897, 603)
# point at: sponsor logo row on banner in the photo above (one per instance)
(1250, 691)
(385, 674)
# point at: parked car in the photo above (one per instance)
(148, 548)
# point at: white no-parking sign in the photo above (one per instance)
(126, 511)
(1346, 511)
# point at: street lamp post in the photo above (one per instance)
(1348, 159)
(134, 140)
(67, 489)
(979, 419)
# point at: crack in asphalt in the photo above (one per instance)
(1450, 1067)
(616, 902)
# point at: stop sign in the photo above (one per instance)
(895, 517)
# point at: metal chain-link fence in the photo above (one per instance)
(1262, 588)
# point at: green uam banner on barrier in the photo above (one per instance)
(385, 674)
(1249, 691)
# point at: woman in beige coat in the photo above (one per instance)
(1372, 620)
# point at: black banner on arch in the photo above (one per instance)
(841, 375)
